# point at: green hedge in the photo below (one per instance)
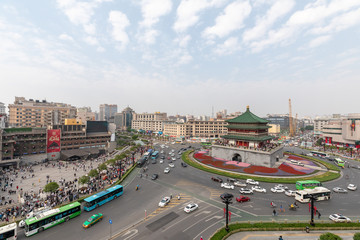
(270, 226)
(327, 176)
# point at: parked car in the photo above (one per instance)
(171, 165)
(154, 176)
(252, 182)
(217, 179)
(258, 189)
(352, 187)
(240, 184)
(231, 180)
(164, 201)
(339, 190)
(246, 191)
(281, 186)
(339, 218)
(227, 185)
(183, 164)
(242, 199)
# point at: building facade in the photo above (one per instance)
(85, 114)
(197, 128)
(2, 115)
(149, 121)
(107, 111)
(124, 119)
(34, 113)
(279, 119)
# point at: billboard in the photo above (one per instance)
(53, 140)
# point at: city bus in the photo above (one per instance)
(155, 155)
(48, 219)
(103, 197)
(319, 193)
(9, 232)
(319, 154)
(339, 162)
(301, 185)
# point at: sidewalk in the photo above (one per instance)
(287, 235)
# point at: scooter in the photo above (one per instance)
(179, 197)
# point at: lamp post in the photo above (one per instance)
(227, 197)
(312, 198)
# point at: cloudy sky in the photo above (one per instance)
(184, 56)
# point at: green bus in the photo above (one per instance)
(307, 184)
(339, 162)
(50, 218)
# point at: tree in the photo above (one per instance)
(357, 236)
(51, 187)
(134, 137)
(309, 127)
(93, 173)
(319, 142)
(84, 179)
(329, 236)
(102, 167)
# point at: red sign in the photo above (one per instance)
(53, 140)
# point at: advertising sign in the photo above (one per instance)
(53, 141)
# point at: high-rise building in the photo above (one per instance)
(35, 113)
(124, 119)
(149, 121)
(85, 114)
(107, 111)
(2, 115)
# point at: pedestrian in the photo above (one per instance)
(319, 214)
(201, 238)
(281, 208)
(280, 238)
(274, 212)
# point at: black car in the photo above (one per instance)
(162, 157)
(183, 164)
(231, 180)
(153, 161)
(154, 176)
(217, 179)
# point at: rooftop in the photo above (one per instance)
(248, 117)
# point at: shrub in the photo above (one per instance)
(103, 166)
(51, 187)
(357, 236)
(84, 179)
(329, 236)
(93, 173)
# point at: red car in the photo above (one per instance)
(242, 199)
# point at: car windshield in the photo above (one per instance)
(90, 219)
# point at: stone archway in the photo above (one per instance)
(237, 157)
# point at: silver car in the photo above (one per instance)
(246, 191)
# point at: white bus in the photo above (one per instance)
(319, 193)
(318, 154)
(8, 232)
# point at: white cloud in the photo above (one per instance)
(91, 40)
(66, 37)
(228, 47)
(319, 40)
(187, 14)
(230, 20)
(313, 14)
(264, 23)
(152, 10)
(183, 41)
(119, 22)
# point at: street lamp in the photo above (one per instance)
(227, 197)
(312, 198)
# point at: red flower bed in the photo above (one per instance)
(295, 157)
(252, 169)
(289, 169)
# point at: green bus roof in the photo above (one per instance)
(51, 213)
(307, 181)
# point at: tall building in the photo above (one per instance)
(85, 114)
(35, 113)
(2, 116)
(107, 111)
(279, 119)
(124, 119)
(149, 121)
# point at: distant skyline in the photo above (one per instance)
(184, 56)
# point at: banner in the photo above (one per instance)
(53, 141)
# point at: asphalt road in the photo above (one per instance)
(128, 212)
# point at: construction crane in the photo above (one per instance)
(291, 126)
(295, 124)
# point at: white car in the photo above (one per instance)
(296, 163)
(162, 151)
(245, 191)
(161, 161)
(167, 170)
(277, 190)
(164, 201)
(339, 218)
(258, 189)
(171, 165)
(290, 193)
(281, 186)
(191, 207)
(227, 185)
(339, 190)
(352, 187)
(252, 182)
(240, 184)
(174, 159)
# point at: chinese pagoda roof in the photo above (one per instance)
(245, 126)
(248, 138)
(247, 117)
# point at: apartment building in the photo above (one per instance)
(85, 114)
(149, 121)
(35, 113)
(107, 111)
(2, 115)
(197, 128)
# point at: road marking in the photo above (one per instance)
(195, 224)
(197, 236)
(203, 212)
(216, 217)
(132, 233)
